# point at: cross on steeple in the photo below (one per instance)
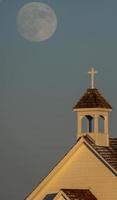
(92, 72)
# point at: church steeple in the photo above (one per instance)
(93, 114)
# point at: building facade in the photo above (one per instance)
(89, 170)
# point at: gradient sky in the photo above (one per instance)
(40, 83)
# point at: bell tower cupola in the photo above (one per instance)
(93, 114)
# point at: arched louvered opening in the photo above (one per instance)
(87, 124)
(101, 124)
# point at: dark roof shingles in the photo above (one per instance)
(108, 153)
(79, 194)
(92, 99)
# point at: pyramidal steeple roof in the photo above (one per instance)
(92, 98)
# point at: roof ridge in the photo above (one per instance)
(109, 154)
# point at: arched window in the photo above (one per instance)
(101, 122)
(87, 124)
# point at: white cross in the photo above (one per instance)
(92, 72)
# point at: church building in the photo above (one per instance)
(89, 170)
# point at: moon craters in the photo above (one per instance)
(36, 21)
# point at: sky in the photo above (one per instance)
(40, 82)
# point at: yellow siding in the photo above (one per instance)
(83, 171)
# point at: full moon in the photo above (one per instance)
(36, 21)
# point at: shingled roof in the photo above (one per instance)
(92, 99)
(108, 153)
(73, 194)
(79, 194)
